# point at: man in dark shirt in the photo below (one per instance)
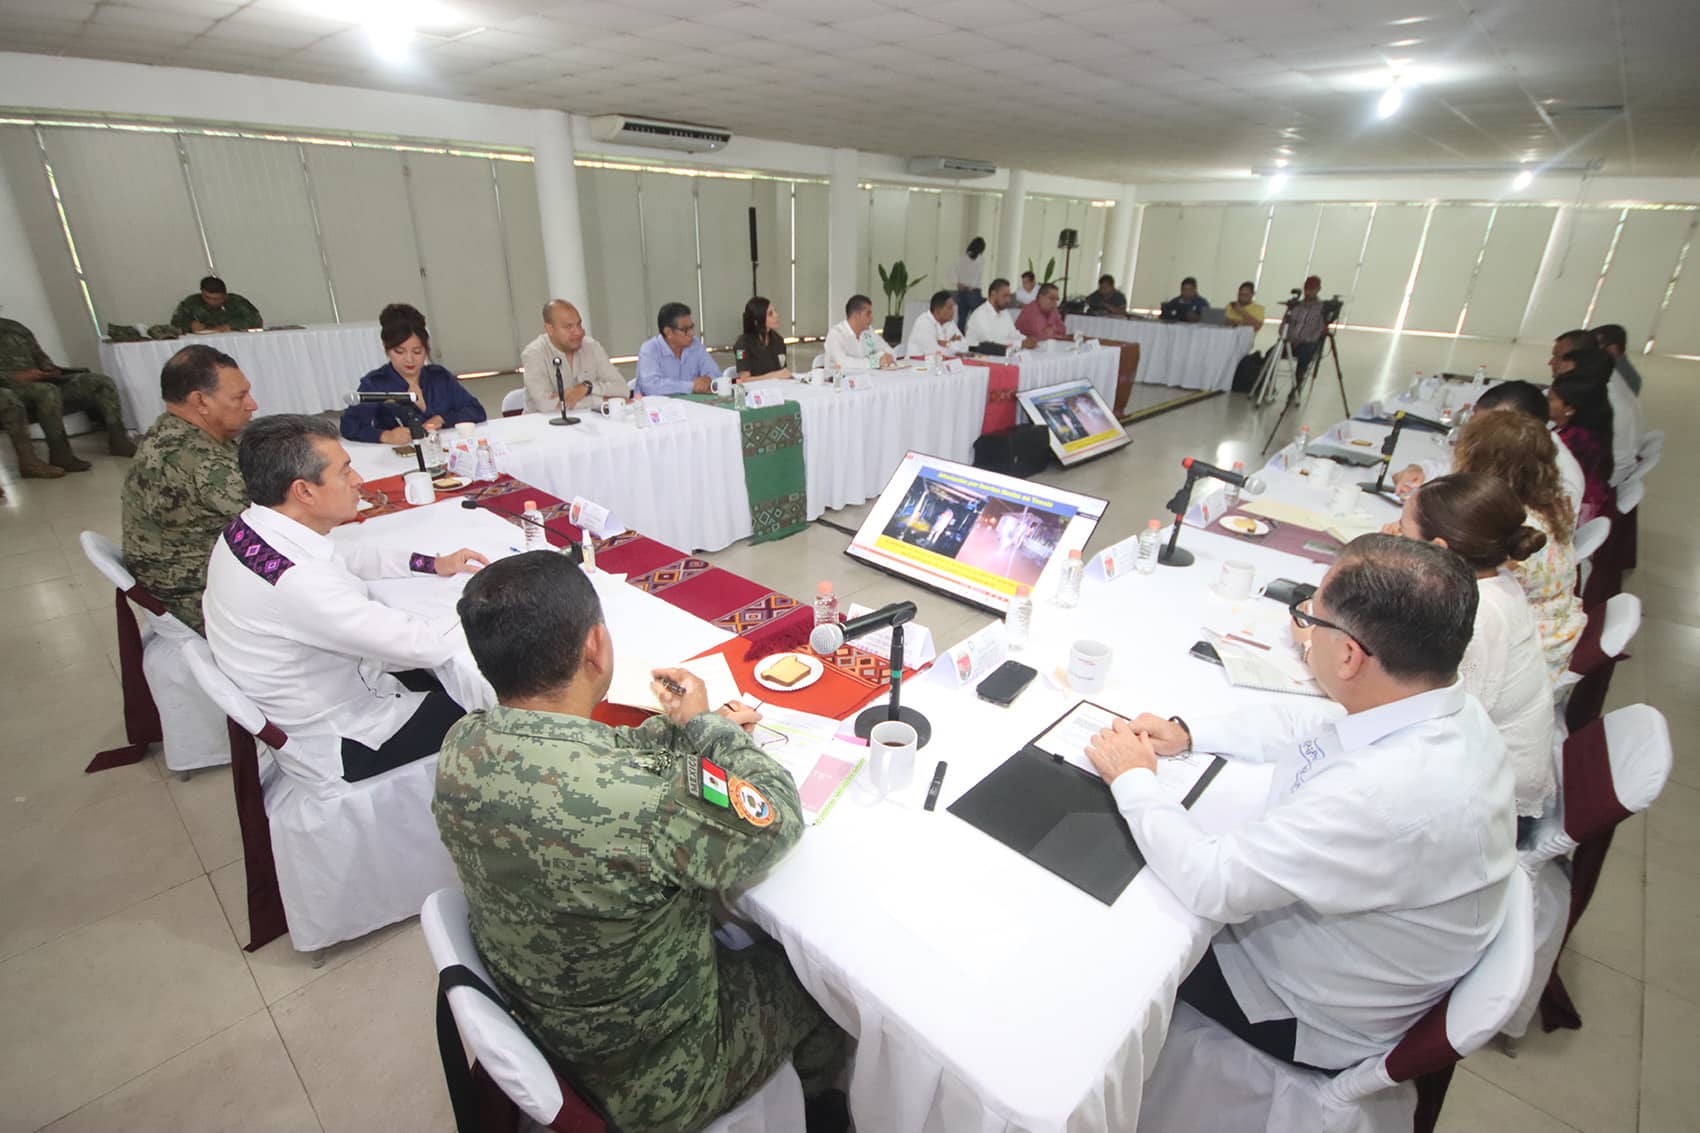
(1106, 300)
(1187, 307)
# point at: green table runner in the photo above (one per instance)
(774, 474)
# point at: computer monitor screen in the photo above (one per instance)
(1080, 424)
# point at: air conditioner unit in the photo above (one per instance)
(657, 133)
(950, 167)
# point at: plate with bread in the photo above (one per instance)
(788, 672)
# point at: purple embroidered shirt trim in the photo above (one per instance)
(422, 564)
(254, 552)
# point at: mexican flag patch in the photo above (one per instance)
(714, 784)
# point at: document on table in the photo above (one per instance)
(1067, 739)
(1267, 669)
(809, 748)
(631, 684)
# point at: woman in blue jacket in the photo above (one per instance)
(443, 402)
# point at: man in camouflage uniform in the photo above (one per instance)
(48, 393)
(15, 419)
(591, 856)
(215, 308)
(185, 484)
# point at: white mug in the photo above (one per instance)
(1345, 499)
(1323, 473)
(466, 429)
(614, 408)
(1089, 666)
(417, 488)
(1236, 580)
(722, 386)
(891, 755)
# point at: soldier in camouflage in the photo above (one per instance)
(185, 484)
(592, 855)
(15, 419)
(215, 308)
(48, 393)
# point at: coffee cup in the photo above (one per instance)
(466, 429)
(891, 755)
(614, 408)
(1235, 582)
(417, 488)
(1089, 666)
(722, 386)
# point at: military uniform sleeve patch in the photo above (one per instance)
(752, 806)
(710, 783)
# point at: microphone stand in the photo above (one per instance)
(561, 394)
(1377, 486)
(1172, 555)
(570, 549)
(879, 714)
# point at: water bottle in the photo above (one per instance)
(826, 605)
(1480, 380)
(1018, 621)
(1416, 390)
(587, 560)
(533, 535)
(639, 416)
(486, 462)
(1231, 492)
(1304, 439)
(430, 452)
(1068, 585)
(1150, 542)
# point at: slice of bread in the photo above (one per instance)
(785, 672)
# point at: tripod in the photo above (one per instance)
(1303, 383)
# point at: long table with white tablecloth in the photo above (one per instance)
(1188, 355)
(292, 371)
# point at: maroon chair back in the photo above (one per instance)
(266, 919)
(141, 715)
(1588, 696)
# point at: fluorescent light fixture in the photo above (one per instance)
(1404, 43)
(1277, 181)
(1437, 169)
(1523, 180)
(1408, 20)
(1281, 163)
(1391, 100)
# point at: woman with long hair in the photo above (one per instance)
(760, 351)
(437, 395)
(1580, 408)
(1520, 452)
(1480, 519)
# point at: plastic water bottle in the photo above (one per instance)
(1068, 585)
(534, 538)
(1479, 382)
(1018, 621)
(587, 559)
(1231, 492)
(1150, 542)
(1304, 440)
(826, 604)
(486, 462)
(1416, 390)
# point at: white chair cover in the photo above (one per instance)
(729, 372)
(513, 402)
(516, 1065)
(1590, 536)
(1652, 447)
(1623, 621)
(1630, 493)
(350, 857)
(1206, 1078)
(191, 726)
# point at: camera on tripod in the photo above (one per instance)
(1331, 308)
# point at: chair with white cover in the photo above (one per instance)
(513, 402)
(162, 702)
(509, 1072)
(1611, 626)
(1652, 447)
(1630, 495)
(729, 372)
(327, 860)
(1588, 540)
(1207, 1078)
(1611, 769)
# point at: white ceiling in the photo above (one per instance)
(1137, 90)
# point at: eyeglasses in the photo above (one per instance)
(1304, 619)
(686, 328)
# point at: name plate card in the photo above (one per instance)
(1119, 559)
(663, 411)
(976, 656)
(594, 518)
(855, 382)
(764, 398)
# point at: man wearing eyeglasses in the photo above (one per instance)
(675, 360)
(1376, 876)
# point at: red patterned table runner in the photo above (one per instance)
(1001, 405)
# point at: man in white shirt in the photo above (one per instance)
(1029, 289)
(935, 330)
(992, 322)
(1614, 340)
(852, 344)
(289, 618)
(586, 372)
(1376, 876)
(1575, 350)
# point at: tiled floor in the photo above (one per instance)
(130, 1005)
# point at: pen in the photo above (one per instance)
(670, 685)
(933, 789)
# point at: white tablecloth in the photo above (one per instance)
(1056, 363)
(1189, 355)
(292, 371)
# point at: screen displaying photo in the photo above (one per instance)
(1080, 424)
(973, 534)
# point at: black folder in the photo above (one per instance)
(1061, 818)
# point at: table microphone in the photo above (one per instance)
(406, 410)
(572, 550)
(561, 393)
(828, 637)
(1252, 485)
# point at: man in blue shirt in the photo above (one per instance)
(675, 361)
(1187, 307)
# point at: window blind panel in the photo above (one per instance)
(254, 209)
(886, 237)
(815, 310)
(1196, 243)
(1154, 259)
(1082, 264)
(1237, 252)
(522, 233)
(1562, 294)
(613, 259)
(1092, 251)
(1679, 326)
(1037, 241)
(950, 242)
(1393, 237)
(723, 212)
(20, 164)
(1515, 245)
(980, 218)
(1286, 261)
(773, 248)
(367, 226)
(1455, 236)
(921, 243)
(867, 278)
(1339, 243)
(1641, 269)
(466, 277)
(129, 211)
(669, 245)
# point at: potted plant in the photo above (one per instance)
(896, 284)
(1050, 270)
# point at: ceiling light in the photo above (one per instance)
(1277, 181)
(1522, 181)
(1280, 163)
(1407, 20)
(1404, 43)
(1391, 100)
